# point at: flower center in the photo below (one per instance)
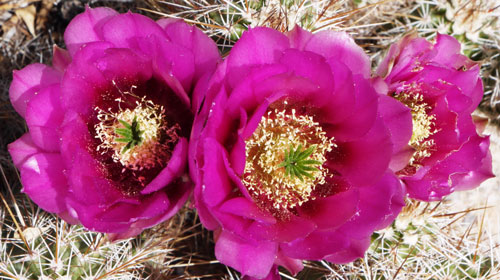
(284, 160)
(423, 124)
(138, 138)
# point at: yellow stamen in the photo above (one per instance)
(155, 135)
(265, 174)
(423, 123)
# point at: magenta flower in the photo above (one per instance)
(108, 123)
(291, 150)
(442, 88)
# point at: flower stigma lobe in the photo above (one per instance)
(138, 138)
(284, 160)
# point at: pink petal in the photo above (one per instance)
(342, 97)
(44, 181)
(361, 116)
(173, 61)
(252, 258)
(307, 248)
(309, 65)
(379, 205)
(86, 180)
(174, 169)
(85, 27)
(402, 58)
(22, 149)
(220, 126)
(344, 205)
(237, 155)
(447, 50)
(60, 58)
(130, 30)
(292, 265)
(68, 218)
(122, 212)
(466, 81)
(247, 209)
(198, 95)
(274, 274)
(44, 116)
(204, 212)
(463, 169)
(339, 46)
(356, 250)
(481, 172)
(282, 231)
(87, 217)
(28, 81)
(46, 138)
(82, 80)
(398, 119)
(124, 64)
(299, 37)
(261, 83)
(257, 46)
(363, 162)
(206, 54)
(177, 196)
(217, 185)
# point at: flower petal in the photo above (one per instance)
(356, 250)
(282, 231)
(361, 116)
(44, 181)
(379, 205)
(60, 58)
(447, 52)
(22, 149)
(363, 162)
(462, 169)
(206, 217)
(344, 205)
(481, 171)
(82, 80)
(86, 181)
(257, 46)
(175, 64)
(122, 212)
(309, 65)
(246, 208)
(206, 54)
(28, 81)
(339, 46)
(274, 274)
(124, 64)
(44, 116)
(292, 265)
(129, 30)
(398, 119)
(252, 258)
(174, 169)
(217, 184)
(85, 27)
(299, 37)
(307, 247)
(177, 195)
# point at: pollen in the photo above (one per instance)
(284, 159)
(423, 123)
(136, 137)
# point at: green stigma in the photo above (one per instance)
(297, 163)
(130, 134)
